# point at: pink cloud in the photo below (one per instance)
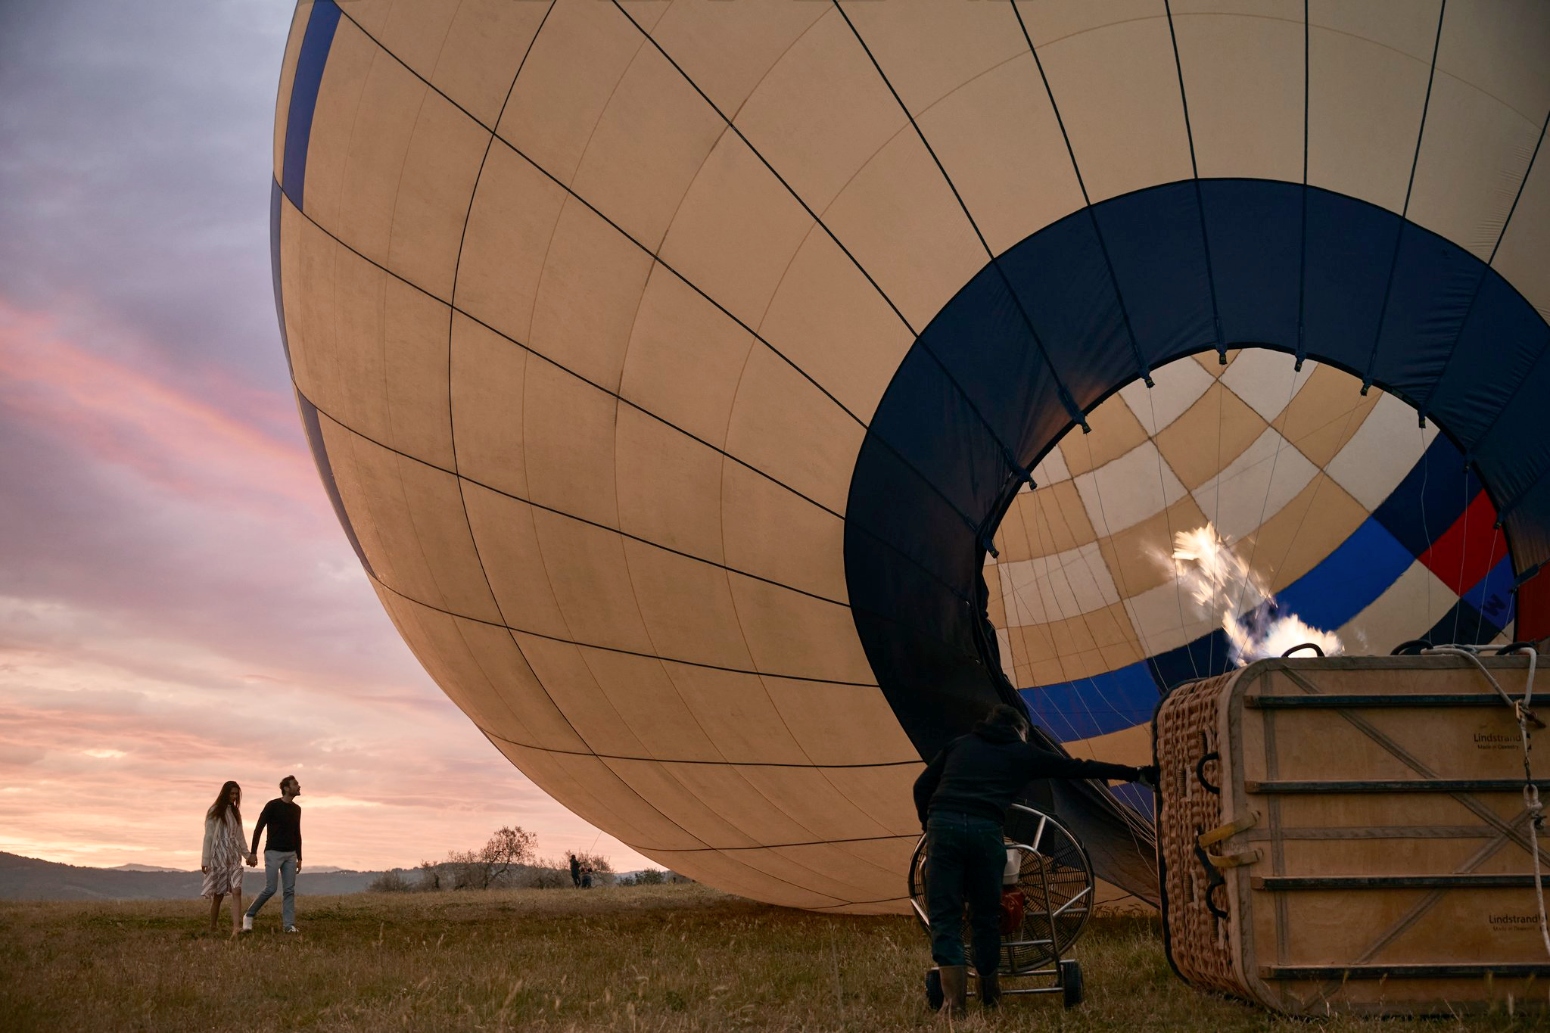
(116, 413)
(181, 608)
(104, 765)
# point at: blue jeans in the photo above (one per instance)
(965, 859)
(281, 864)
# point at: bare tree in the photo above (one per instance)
(508, 849)
(493, 864)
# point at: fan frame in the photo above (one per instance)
(1031, 957)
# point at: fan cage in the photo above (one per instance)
(1051, 897)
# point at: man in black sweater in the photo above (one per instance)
(962, 798)
(282, 853)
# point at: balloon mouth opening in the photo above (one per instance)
(1228, 515)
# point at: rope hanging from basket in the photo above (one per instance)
(1525, 717)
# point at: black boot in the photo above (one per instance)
(955, 988)
(990, 990)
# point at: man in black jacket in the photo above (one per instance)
(282, 853)
(962, 798)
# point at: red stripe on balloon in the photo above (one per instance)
(1534, 607)
(1468, 550)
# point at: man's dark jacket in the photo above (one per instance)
(980, 774)
(284, 821)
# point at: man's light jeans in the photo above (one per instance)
(281, 863)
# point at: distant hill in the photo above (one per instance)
(27, 878)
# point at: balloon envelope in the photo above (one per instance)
(677, 371)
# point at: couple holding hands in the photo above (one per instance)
(226, 849)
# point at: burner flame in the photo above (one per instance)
(1220, 582)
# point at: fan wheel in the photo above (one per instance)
(1046, 909)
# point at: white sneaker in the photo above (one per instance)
(292, 929)
(247, 923)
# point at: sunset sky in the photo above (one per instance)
(178, 605)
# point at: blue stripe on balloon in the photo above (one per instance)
(1432, 496)
(1462, 624)
(274, 266)
(315, 45)
(1349, 579)
(1342, 585)
(314, 429)
(1492, 594)
(1104, 703)
(1207, 655)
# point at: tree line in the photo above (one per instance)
(510, 860)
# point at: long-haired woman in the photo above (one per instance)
(224, 853)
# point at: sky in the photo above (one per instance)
(178, 604)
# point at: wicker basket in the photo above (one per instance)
(1350, 835)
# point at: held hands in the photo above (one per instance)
(252, 860)
(204, 868)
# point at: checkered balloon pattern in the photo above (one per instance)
(1357, 519)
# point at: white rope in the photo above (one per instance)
(1531, 801)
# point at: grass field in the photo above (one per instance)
(650, 958)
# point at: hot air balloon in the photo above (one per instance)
(730, 402)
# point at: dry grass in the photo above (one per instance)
(650, 958)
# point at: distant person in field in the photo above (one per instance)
(223, 854)
(282, 853)
(962, 799)
(575, 870)
(586, 875)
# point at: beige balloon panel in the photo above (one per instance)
(633, 438)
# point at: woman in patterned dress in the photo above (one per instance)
(224, 852)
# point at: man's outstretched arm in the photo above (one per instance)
(1045, 764)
